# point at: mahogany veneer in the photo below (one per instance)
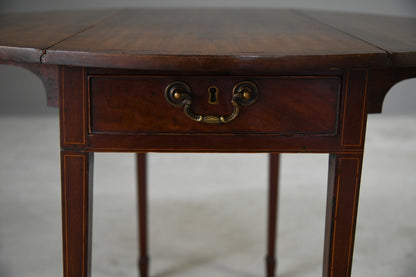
(212, 80)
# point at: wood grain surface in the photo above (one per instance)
(395, 35)
(217, 40)
(24, 37)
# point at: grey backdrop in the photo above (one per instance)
(22, 93)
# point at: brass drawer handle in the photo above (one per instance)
(179, 94)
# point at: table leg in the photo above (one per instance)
(272, 213)
(342, 201)
(77, 173)
(142, 213)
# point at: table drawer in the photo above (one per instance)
(284, 105)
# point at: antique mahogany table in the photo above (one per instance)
(212, 80)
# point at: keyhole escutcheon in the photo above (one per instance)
(213, 95)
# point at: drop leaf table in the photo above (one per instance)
(212, 80)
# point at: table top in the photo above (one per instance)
(226, 40)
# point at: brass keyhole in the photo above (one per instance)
(213, 95)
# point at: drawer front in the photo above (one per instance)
(284, 105)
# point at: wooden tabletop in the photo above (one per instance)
(226, 40)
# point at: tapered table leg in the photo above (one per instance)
(272, 214)
(142, 213)
(342, 201)
(76, 176)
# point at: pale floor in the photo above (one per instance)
(207, 212)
